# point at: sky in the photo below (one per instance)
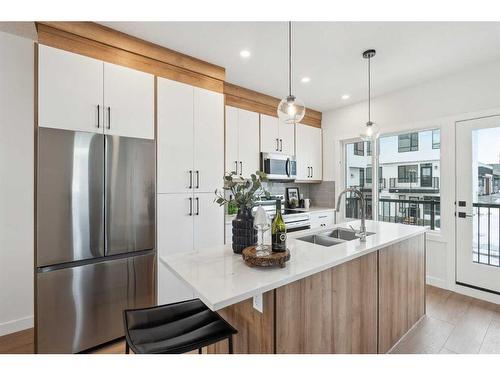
(489, 145)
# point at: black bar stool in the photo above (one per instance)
(175, 328)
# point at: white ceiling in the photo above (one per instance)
(329, 53)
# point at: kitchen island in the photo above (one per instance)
(352, 297)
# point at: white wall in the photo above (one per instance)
(436, 104)
(16, 183)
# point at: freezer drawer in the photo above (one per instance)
(130, 194)
(81, 307)
(70, 196)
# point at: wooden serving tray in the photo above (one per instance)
(272, 260)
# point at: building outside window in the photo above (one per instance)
(408, 173)
(408, 142)
(359, 148)
(368, 148)
(436, 139)
(412, 193)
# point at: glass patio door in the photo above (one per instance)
(478, 203)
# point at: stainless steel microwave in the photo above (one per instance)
(278, 166)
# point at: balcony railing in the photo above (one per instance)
(414, 185)
(403, 211)
(486, 234)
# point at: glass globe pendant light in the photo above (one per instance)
(370, 130)
(291, 109)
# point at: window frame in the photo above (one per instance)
(357, 150)
(407, 177)
(436, 145)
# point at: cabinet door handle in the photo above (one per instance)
(190, 180)
(98, 116)
(190, 206)
(109, 117)
(236, 165)
(241, 168)
(312, 172)
(281, 145)
(308, 172)
(197, 180)
(277, 146)
(197, 206)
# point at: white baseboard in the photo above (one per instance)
(16, 325)
(436, 281)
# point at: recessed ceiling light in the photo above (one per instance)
(345, 96)
(245, 53)
(305, 80)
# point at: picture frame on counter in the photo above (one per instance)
(292, 197)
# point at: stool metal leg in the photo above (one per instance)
(199, 350)
(230, 344)
(127, 349)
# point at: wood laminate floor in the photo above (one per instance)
(454, 323)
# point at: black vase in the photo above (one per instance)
(244, 234)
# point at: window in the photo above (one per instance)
(359, 148)
(407, 173)
(426, 175)
(361, 177)
(368, 148)
(408, 142)
(369, 174)
(402, 197)
(436, 139)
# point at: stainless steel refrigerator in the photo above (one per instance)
(95, 236)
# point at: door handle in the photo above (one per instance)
(308, 172)
(197, 206)
(197, 180)
(312, 172)
(287, 167)
(190, 206)
(277, 147)
(241, 168)
(281, 145)
(109, 117)
(98, 116)
(190, 180)
(236, 165)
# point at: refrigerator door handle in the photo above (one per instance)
(109, 117)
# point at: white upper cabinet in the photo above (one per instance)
(190, 138)
(269, 134)
(208, 141)
(128, 102)
(232, 139)
(248, 142)
(84, 94)
(276, 136)
(70, 94)
(175, 137)
(242, 141)
(309, 153)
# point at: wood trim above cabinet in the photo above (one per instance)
(240, 97)
(99, 42)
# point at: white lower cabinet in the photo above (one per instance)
(185, 222)
(322, 219)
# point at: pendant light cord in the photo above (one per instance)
(289, 58)
(369, 90)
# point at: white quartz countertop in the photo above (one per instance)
(221, 278)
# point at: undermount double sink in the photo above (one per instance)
(331, 238)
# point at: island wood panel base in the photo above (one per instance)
(362, 306)
(334, 311)
(401, 272)
(255, 330)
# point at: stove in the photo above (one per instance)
(295, 219)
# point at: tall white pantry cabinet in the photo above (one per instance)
(190, 147)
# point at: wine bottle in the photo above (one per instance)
(278, 230)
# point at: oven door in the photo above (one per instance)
(278, 166)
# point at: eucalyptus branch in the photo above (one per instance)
(245, 193)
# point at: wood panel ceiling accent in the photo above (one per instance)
(103, 43)
(241, 97)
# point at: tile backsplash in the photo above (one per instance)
(323, 194)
